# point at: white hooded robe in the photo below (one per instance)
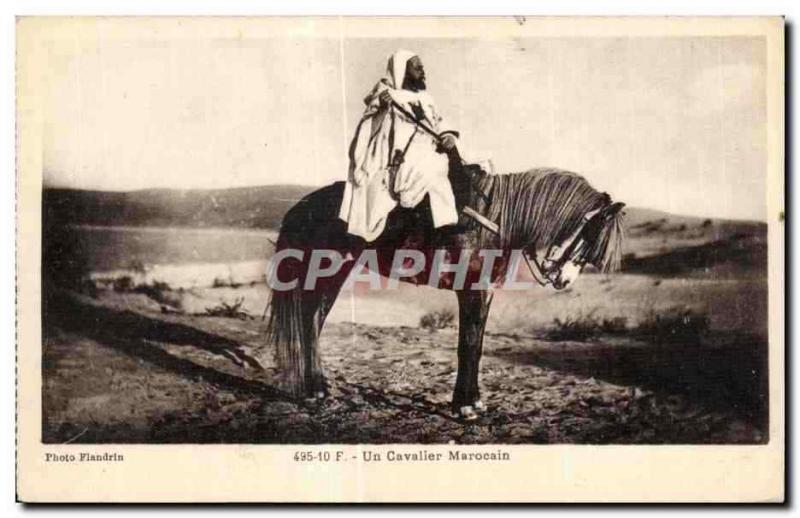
(368, 194)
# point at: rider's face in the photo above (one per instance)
(415, 75)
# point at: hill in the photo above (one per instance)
(264, 206)
(244, 207)
(657, 242)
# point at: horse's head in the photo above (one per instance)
(596, 241)
(558, 214)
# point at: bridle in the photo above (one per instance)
(556, 257)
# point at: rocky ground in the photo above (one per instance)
(117, 370)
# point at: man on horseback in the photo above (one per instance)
(401, 151)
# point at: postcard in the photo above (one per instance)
(365, 259)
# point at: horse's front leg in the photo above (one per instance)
(473, 310)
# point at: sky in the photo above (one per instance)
(670, 123)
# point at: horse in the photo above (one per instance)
(550, 211)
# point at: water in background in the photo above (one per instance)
(123, 248)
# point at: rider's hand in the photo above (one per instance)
(385, 98)
(448, 142)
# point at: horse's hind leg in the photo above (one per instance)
(295, 324)
(314, 377)
(315, 312)
(473, 311)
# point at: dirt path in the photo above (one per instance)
(118, 371)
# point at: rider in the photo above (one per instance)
(398, 152)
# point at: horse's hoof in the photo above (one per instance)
(467, 413)
(479, 406)
(316, 397)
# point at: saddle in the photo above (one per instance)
(471, 201)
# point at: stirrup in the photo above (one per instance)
(485, 222)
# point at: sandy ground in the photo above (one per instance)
(117, 369)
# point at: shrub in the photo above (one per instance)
(124, 283)
(157, 291)
(676, 324)
(225, 283)
(614, 326)
(436, 320)
(584, 326)
(672, 325)
(227, 310)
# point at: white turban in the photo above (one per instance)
(396, 68)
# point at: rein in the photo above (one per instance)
(399, 156)
(417, 122)
(540, 273)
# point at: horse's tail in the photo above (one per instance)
(288, 325)
(285, 333)
(293, 324)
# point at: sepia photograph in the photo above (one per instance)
(451, 234)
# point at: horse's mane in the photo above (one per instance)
(540, 207)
